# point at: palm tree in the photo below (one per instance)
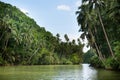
(73, 42)
(96, 46)
(97, 6)
(58, 37)
(66, 38)
(87, 23)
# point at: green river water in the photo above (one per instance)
(56, 72)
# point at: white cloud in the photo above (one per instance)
(78, 3)
(64, 7)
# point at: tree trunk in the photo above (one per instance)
(33, 54)
(102, 25)
(97, 49)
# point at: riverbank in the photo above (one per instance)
(108, 64)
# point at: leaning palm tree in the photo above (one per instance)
(97, 6)
(86, 22)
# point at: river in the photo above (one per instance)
(56, 72)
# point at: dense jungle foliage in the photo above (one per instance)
(23, 42)
(99, 21)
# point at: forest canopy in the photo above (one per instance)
(23, 42)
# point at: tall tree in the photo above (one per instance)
(66, 38)
(98, 5)
(87, 22)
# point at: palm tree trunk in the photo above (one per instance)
(97, 49)
(33, 54)
(102, 25)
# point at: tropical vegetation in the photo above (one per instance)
(23, 42)
(99, 21)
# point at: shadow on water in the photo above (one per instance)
(57, 72)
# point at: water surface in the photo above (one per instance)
(56, 72)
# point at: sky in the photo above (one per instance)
(57, 16)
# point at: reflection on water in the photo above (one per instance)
(56, 72)
(88, 73)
